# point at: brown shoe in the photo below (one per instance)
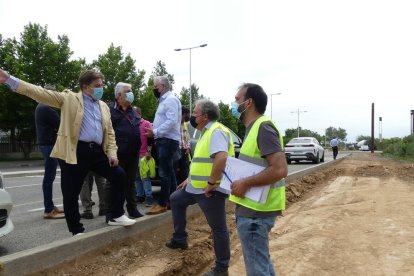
(56, 209)
(157, 209)
(53, 215)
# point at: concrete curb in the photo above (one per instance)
(58, 252)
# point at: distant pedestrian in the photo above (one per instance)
(334, 145)
(47, 124)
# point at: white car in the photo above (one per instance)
(304, 148)
(6, 225)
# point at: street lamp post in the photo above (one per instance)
(298, 112)
(271, 104)
(189, 50)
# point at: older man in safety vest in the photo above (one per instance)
(210, 156)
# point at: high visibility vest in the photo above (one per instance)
(202, 163)
(250, 152)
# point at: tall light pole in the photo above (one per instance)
(271, 104)
(189, 50)
(298, 112)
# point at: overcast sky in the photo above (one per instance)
(332, 59)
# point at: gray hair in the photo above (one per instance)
(119, 86)
(163, 80)
(208, 107)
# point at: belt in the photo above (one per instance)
(90, 144)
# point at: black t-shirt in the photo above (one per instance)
(268, 143)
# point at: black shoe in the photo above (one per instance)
(175, 245)
(216, 272)
(87, 215)
(134, 213)
(140, 199)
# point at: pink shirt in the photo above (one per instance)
(144, 143)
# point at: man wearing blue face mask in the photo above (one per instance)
(125, 121)
(85, 142)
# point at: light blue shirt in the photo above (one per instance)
(334, 142)
(91, 128)
(220, 142)
(13, 83)
(168, 117)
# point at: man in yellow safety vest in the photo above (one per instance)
(263, 146)
(208, 163)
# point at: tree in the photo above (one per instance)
(185, 96)
(117, 68)
(38, 60)
(291, 133)
(339, 133)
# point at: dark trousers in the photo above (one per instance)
(90, 157)
(335, 151)
(183, 167)
(214, 209)
(49, 177)
(130, 165)
(168, 152)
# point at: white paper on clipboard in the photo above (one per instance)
(237, 169)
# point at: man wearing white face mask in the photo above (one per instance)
(125, 121)
(85, 142)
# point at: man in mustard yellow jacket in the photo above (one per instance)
(85, 142)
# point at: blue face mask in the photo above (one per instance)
(129, 97)
(235, 109)
(97, 93)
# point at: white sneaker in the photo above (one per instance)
(78, 234)
(121, 221)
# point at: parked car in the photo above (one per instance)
(6, 225)
(195, 134)
(304, 148)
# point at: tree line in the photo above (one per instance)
(36, 58)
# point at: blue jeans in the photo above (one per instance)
(168, 153)
(254, 237)
(49, 177)
(214, 209)
(143, 187)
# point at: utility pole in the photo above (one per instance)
(298, 112)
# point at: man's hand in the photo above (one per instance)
(182, 185)
(150, 132)
(208, 189)
(3, 76)
(113, 161)
(239, 188)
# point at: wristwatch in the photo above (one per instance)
(209, 183)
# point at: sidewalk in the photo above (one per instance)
(21, 165)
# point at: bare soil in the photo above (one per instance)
(353, 218)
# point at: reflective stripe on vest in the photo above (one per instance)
(202, 164)
(250, 152)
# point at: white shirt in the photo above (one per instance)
(167, 119)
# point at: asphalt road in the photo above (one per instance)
(32, 230)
